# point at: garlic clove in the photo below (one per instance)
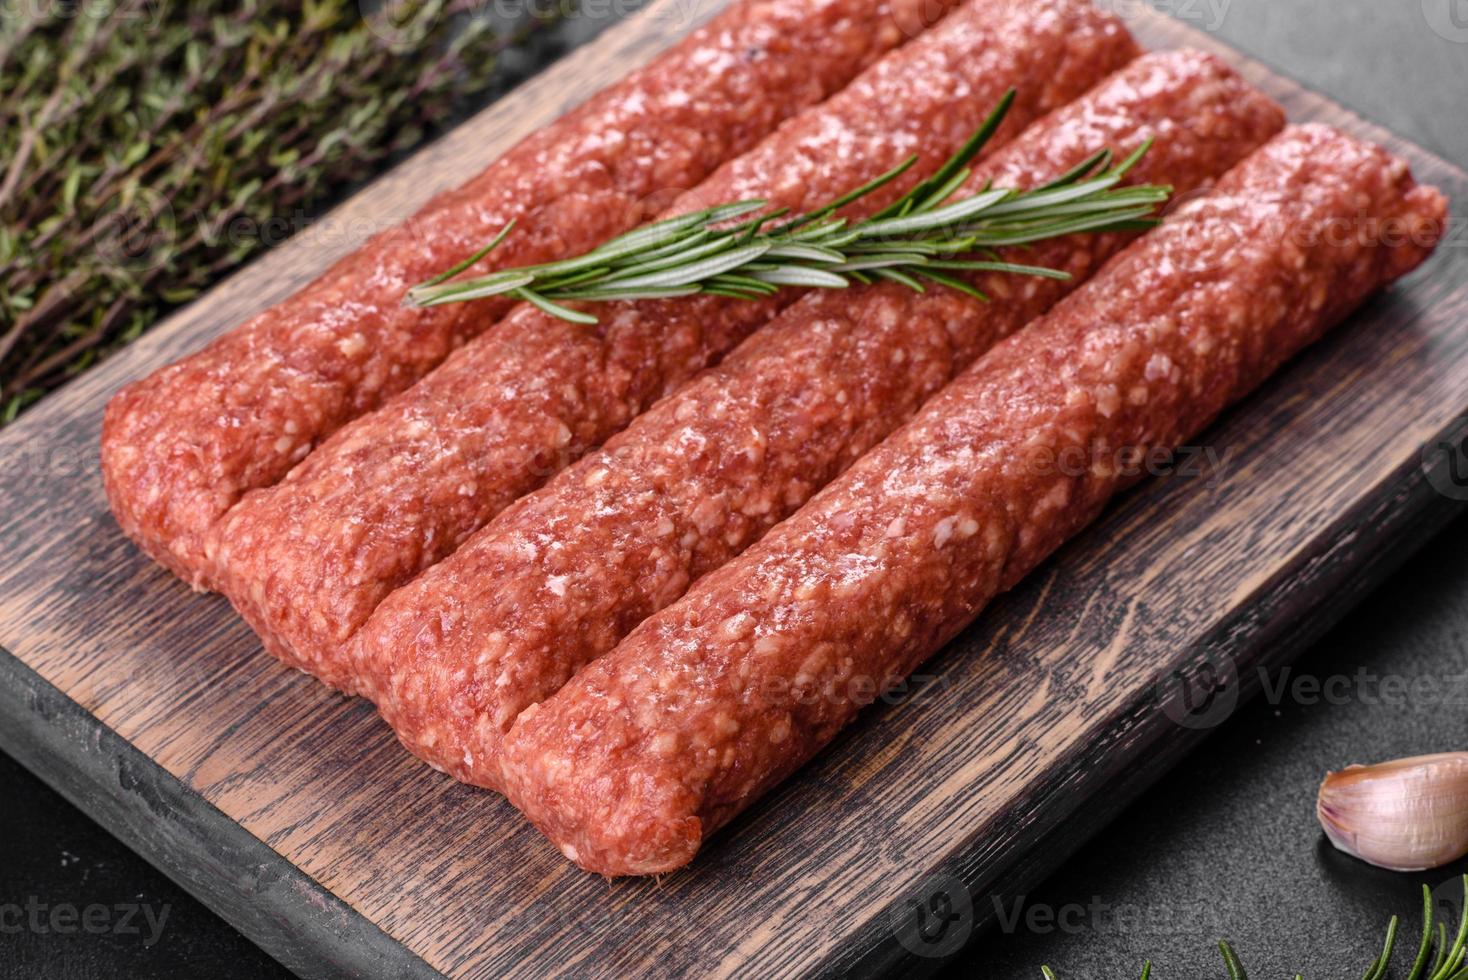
(1406, 815)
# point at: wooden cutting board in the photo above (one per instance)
(293, 813)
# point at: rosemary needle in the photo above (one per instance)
(1377, 970)
(1425, 949)
(925, 236)
(1231, 961)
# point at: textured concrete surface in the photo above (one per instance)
(1227, 846)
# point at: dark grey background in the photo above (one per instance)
(1225, 847)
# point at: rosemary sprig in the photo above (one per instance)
(1450, 963)
(924, 236)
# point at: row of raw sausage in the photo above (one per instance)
(308, 560)
(181, 446)
(709, 703)
(564, 574)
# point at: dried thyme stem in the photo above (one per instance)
(146, 146)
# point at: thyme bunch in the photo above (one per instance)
(149, 147)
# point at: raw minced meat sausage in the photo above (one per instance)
(181, 446)
(711, 702)
(307, 561)
(560, 577)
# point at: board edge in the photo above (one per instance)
(288, 914)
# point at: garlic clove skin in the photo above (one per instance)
(1406, 815)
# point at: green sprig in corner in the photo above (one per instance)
(1448, 963)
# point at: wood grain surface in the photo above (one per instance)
(294, 812)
